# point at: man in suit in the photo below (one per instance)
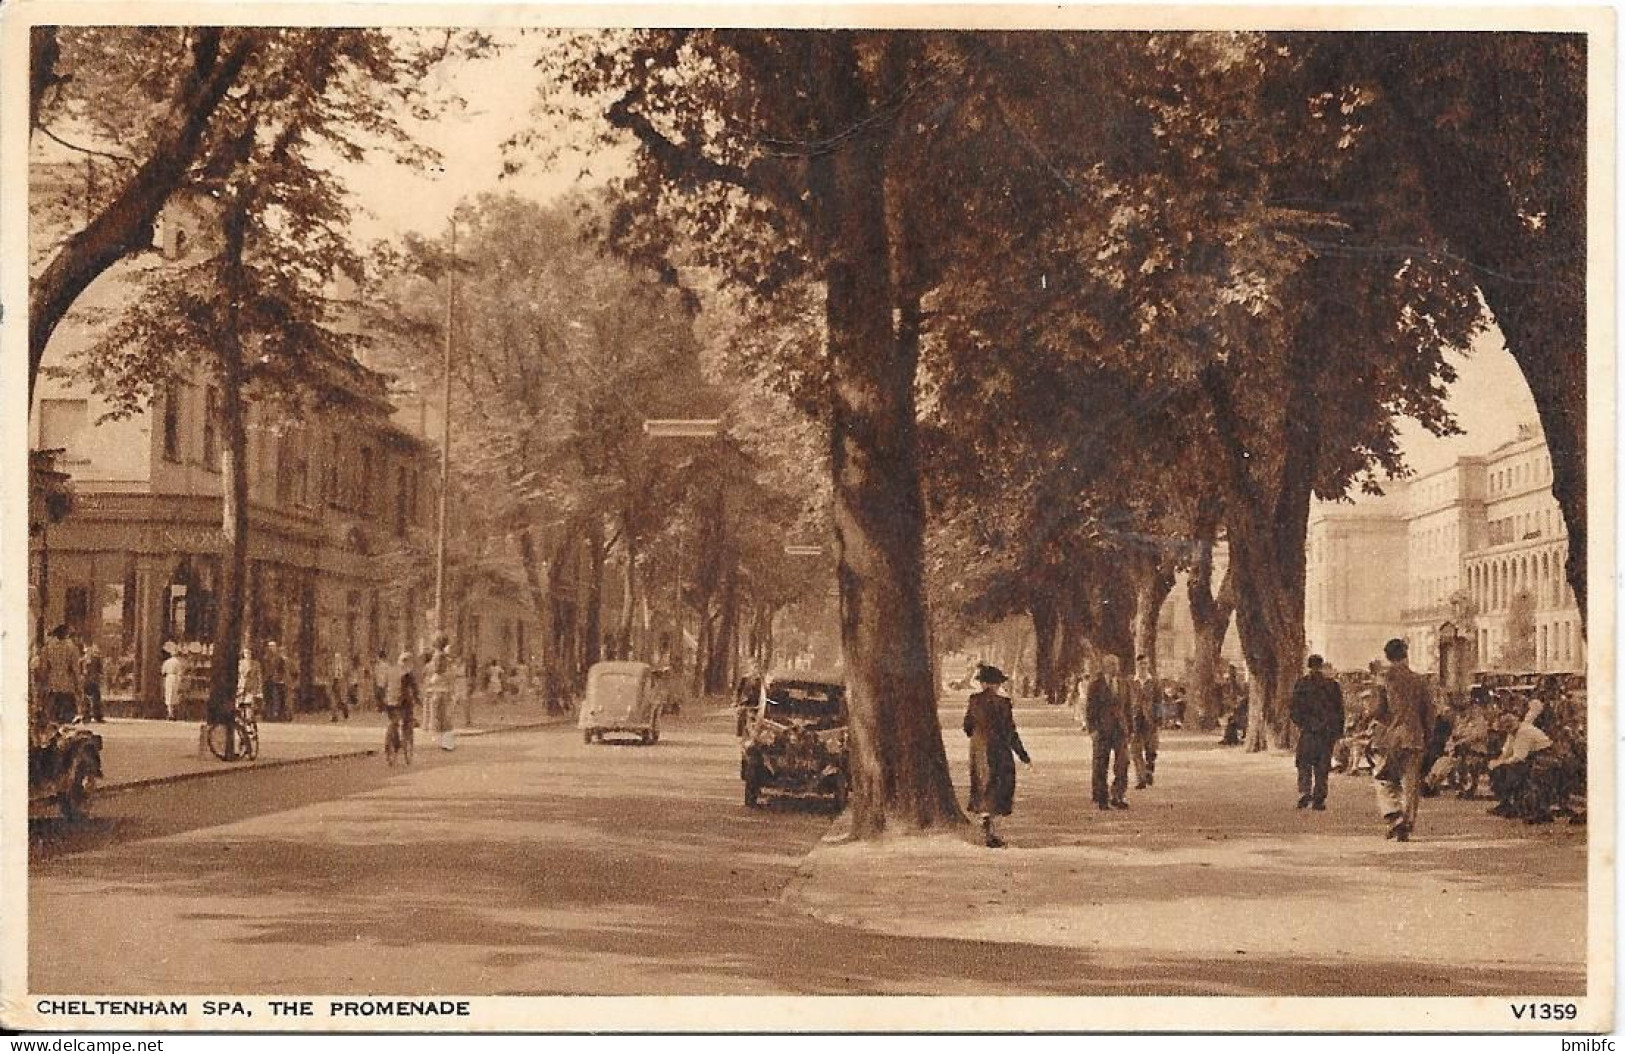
(1401, 720)
(1106, 713)
(1143, 699)
(1317, 710)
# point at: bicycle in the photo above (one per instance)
(398, 734)
(245, 732)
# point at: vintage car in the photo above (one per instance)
(796, 739)
(622, 699)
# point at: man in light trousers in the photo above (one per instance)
(1401, 719)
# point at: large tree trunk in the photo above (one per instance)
(1046, 625)
(124, 226)
(1210, 617)
(593, 610)
(1533, 277)
(1151, 588)
(900, 777)
(1267, 532)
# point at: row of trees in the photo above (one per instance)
(628, 544)
(249, 121)
(1061, 310)
(1114, 295)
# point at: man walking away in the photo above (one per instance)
(1317, 710)
(1106, 711)
(1401, 720)
(1143, 699)
(91, 700)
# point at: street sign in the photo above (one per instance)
(804, 550)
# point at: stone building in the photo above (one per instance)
(1355, 578)
(342, 515)
(1525, 546)
(1459, 546)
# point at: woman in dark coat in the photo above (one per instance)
(993, 739)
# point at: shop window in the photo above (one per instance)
(211, 428)
(76, 610)
(401, 496)
(365, 483)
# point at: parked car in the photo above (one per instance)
(796, 740)
(621, 699)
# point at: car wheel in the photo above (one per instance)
(752, 793)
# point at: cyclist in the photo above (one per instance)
(400, 695)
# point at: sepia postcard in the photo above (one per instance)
(932, 518)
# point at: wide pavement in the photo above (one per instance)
(1214, 882)
(521, 863)
(530, 863)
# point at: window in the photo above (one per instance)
(364, 488)
(211, 428)
(401, 495)
(62, 424)
(76, 609)
(172, 423)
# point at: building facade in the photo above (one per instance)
(1354, 584)
(1444, 521)
(1526, 612)
(342, 514)
(1478, 546)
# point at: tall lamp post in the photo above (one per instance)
(445, 442)
(680, 428)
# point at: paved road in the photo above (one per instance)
(522, 863)
(531, 863)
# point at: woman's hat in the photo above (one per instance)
(986, 674)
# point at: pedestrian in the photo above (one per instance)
(437, 685)
(1107, 715)
(274, 670)
(173, 671)
(380, 679)
(1402, 718)
(338, 689)
(1143, 700)
(991, 726)
(63, 676)
(91, 669)
(357, 672)
(250, 681)
(462, 690)
(399, 695)
(1317, 710)
(493, 681)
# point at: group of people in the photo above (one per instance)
(66, 679)
(1400, 720)
(1531, 749)
(1121, 714)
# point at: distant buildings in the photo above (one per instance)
(343, 514)
(1457, 546)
